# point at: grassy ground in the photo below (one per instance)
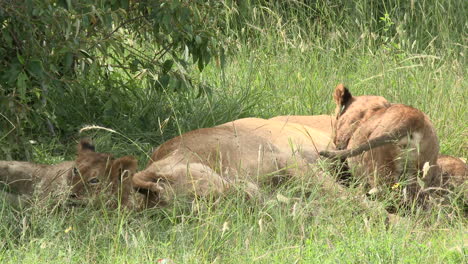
(277, 75)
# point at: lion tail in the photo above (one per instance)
(382, 140)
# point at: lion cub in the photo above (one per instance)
(454, 174)
(71, 181)
(386, 143)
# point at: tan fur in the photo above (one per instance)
(454, 174)
(383, 141)
(207, 161)
(73, 181)
(324, 123)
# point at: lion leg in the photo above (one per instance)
(14, 200)
(294, 166)
(18, 176)
(146, 180)
(168, 182)
(201, 180)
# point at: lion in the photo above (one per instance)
(454, 170)
(385, 142)
(454, 174)
(90, 174)
(208, 161)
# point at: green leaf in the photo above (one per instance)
(222, 58)
(68, 61)
(167, 65)
(204, 90)
(35, 68)
(124, 4)
(38, 92)
(20, 58)
(21, 85)
(200, 63)
(206, 57)
(62, 3)
(134, 65)
(108, 20)
(164, 80)
(175, 84)
(85, 53)
(4, 101)
(167, 22)
(198, 39)
(11, 73)
(8, 40)
(109, 108)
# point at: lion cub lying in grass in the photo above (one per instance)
(90, 174)
(208, 161)
(454, 175)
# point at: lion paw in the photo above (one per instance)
(156, 188)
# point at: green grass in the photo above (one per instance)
(289, 68)
(318, 227)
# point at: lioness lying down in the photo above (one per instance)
(454, 170)
(385, 142)
(208, 161)
(89, 174)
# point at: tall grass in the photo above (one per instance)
(286, 58)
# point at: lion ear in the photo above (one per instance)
(342, 95)
(123, 168)
(85, 145)
(121, 174)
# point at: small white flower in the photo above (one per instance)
(225, 228)
(426, 168)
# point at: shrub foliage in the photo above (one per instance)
(67, 63)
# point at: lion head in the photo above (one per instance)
(95, 173)
(454, 171)
(352, 111)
